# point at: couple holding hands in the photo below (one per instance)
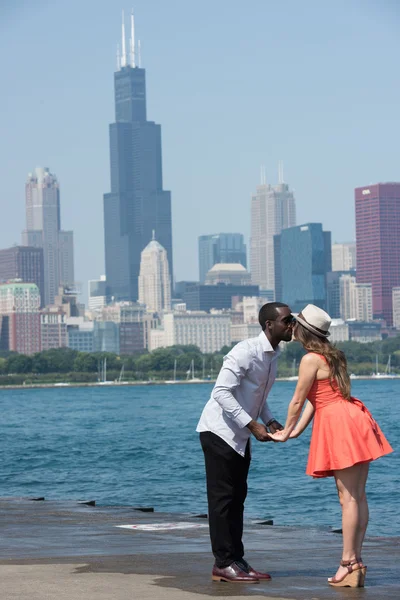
(345, 437)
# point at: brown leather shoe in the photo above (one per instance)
(233, 574)
(243, 564)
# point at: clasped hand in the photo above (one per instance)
(261, 433)
(282, 436)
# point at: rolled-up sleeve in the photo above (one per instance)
(235, 367)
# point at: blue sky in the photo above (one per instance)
(233, 84)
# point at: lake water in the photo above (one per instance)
(138, 446)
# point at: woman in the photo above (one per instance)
(345, 437)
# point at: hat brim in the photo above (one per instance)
(311, 328)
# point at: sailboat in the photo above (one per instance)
(387, 374)
(103, 373)
(174, 379)
(190, 371)
(121, 374)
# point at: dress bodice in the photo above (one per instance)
(324, 391)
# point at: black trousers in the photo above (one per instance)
(226, 474)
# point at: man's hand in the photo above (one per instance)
(259, 431)
(274, 426)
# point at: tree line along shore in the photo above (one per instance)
(173, 363)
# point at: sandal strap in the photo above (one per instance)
(349, 564)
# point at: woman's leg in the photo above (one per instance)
(350, 484)
(364, 512)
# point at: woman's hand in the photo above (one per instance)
(280, 436)
(294, 434)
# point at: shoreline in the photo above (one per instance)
(151, 383)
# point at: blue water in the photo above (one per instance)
(138, 446)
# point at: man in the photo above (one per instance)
(229, 418)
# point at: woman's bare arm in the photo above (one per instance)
(309, 366)
(305, 419)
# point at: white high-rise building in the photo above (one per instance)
(97, 293)
(396, 307)
(355, 299)
(273, 208)
(344, 256)
(251, 308)
(154, 279)
(209, 332)
(43, 230)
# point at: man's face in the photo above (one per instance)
(282, 327)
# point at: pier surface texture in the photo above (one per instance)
(53, 550)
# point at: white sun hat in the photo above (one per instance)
(315, 320)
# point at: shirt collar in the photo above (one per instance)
(266, 344)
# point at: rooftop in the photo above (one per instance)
(232, 267)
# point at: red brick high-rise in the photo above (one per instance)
(378, 243)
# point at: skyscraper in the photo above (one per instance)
(396, 307)
(43, 230)
(20, 317)
(24, 263)
(220, 248)
(273, 209)
(355, 299)
(303, 258)
(378, 243)
(154, 279)
(137, 203)
(344, 256)
(97, 293)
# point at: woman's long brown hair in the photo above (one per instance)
(336, 359)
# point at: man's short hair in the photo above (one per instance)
(268, 312)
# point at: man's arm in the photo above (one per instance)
(235, 367)
(268, 418)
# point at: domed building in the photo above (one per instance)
(229, 274)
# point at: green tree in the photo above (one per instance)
(60, 360)
(86, 362)
(19, 363)
(40, 363)
(3, 366)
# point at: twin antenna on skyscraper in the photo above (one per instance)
(263, 173)
(122, 59)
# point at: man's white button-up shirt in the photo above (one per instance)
(240, 392)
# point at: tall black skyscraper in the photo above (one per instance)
(137, 204)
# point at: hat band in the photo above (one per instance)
(321, 331)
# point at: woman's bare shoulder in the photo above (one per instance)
(311, 358)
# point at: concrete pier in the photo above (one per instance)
(73, 551)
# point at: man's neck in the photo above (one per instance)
(274, 343)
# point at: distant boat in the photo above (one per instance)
(121, 373)
(190, 371)
(102, 374)
(387, 374)
(174, 379)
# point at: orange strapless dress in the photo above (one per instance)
(344, 432)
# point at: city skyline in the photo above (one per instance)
(334, 157)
